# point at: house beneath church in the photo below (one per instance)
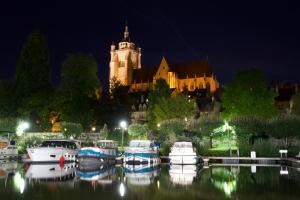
(125, 66)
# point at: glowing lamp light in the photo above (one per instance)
(19, 182)
(123, 124)
(22, 126)
(122, 190)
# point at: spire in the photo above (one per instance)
(126, 33)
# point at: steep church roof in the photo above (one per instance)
(144, 74)
(190, 69)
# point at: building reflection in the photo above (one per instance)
(183, 174)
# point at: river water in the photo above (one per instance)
(69, 181)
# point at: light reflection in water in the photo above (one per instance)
(225, 179)
(183, 174)
(19, 182)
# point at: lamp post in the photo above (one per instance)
(123, 125)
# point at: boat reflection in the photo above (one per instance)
(51, 172)
(7, 168)
(140, 175)
(183, 174)
(101, 174)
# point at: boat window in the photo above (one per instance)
(65, 144)
(183, 145)
(140, 144)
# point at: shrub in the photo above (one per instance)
(71, 129)
(8, 124)
(137, 130)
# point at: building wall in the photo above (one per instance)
(123, 61)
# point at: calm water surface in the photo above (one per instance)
(54, 181)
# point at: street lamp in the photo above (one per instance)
(123, 125)
(22, 126)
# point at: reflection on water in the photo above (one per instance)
(51, 172)
(97, 174)
(183, 174)
(69, 181)
(225, 179)
(140, 175)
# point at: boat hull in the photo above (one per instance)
(141, 158)
(183, 159)
(92, 156)
(51, 154)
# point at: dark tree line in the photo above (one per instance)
(78, 98)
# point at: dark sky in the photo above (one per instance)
(232, 35)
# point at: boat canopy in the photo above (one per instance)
(106, 143)
(183, 145)
(140, 143)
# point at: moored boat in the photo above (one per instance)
(183, 153)
(55, 150)
(8, 149)
(141, 152)
(104, 152)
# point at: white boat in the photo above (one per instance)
(183, 153)
(182, 174)
(141, 152)
(8, 149)
(104, 152)
(55, 150)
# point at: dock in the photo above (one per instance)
(271, 161)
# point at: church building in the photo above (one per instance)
(126, 66)
(196, 77)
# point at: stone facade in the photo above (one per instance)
(125, 66)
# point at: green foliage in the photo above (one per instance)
(32, 86)
(76, 92)
(71, 129)
(266, 148)
(116, 135)
(7, 105)
(296, 104)
(248, 95)
(177, 107)
(79, 75)
(33, 68)
(284, 126)
(104, 132)
(163, 106)
(138, 130)
(8, 124)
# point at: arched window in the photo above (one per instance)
(207, 86)
(200, 86)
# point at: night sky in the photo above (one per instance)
(233, 36)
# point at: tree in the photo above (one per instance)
(71, 129)
(77, 90)
(248, 95)
(33, 67)
(296, 104)
(137, 130)
(32, 79)
(164, 106)
(7, 106)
